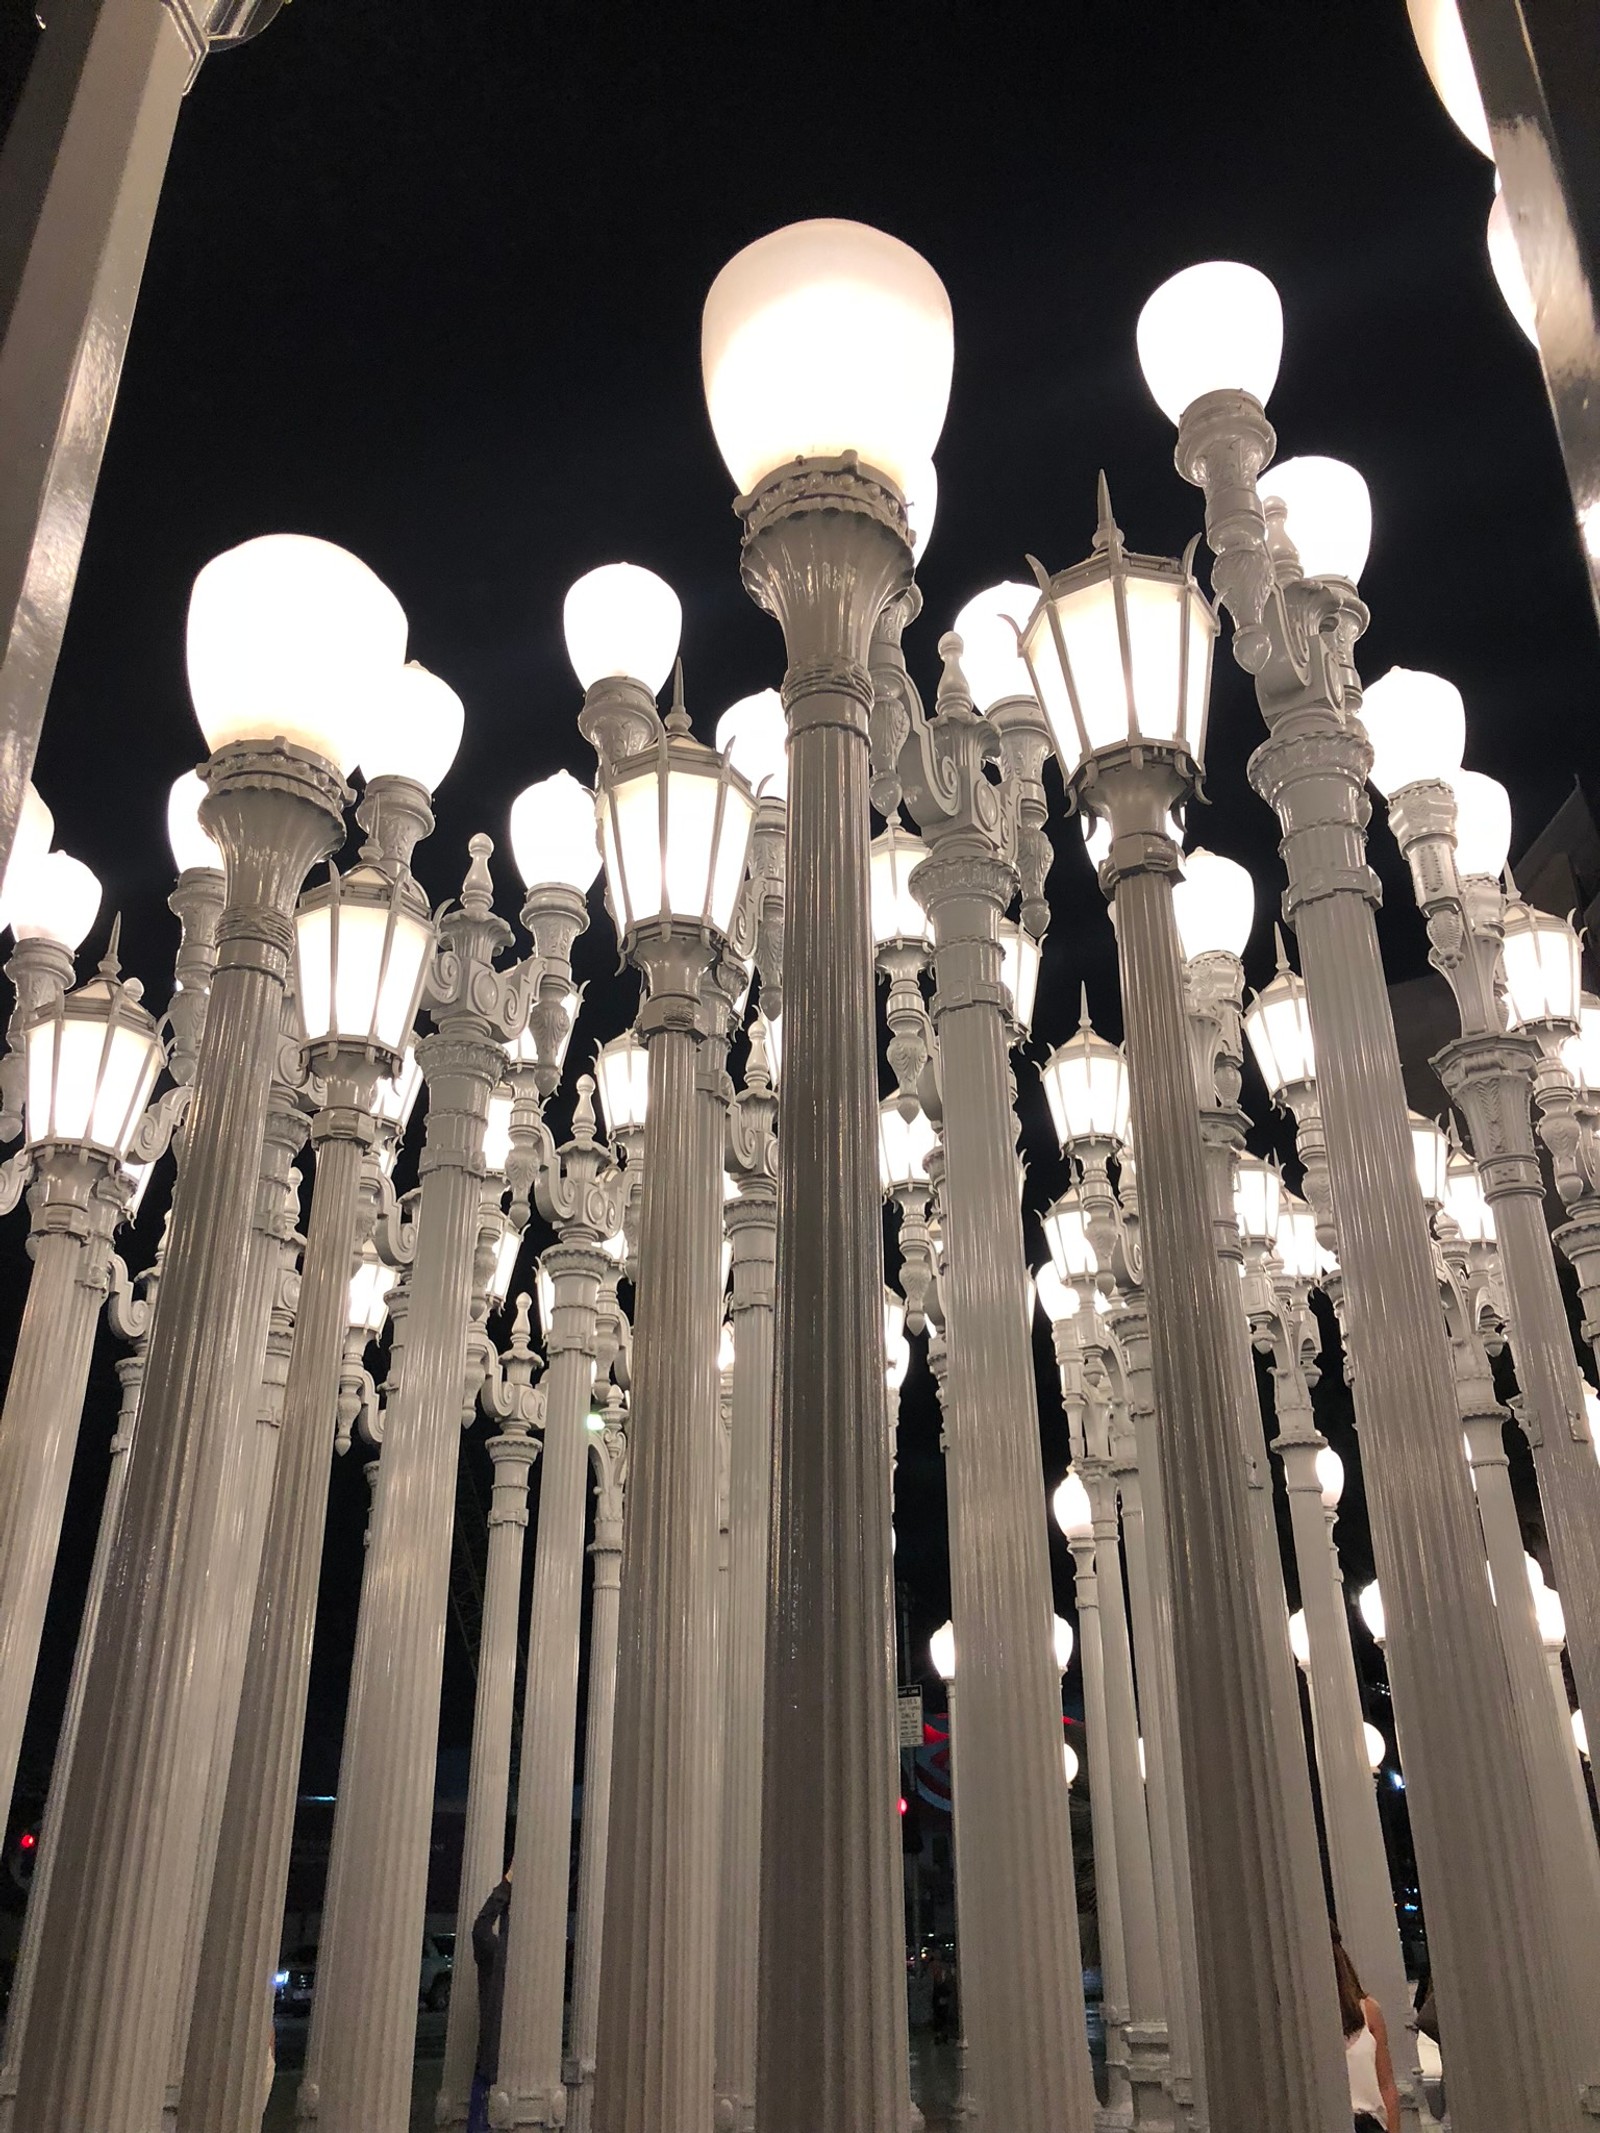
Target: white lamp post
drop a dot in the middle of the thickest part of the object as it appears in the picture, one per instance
(827, 352)
(289, 639)
(196, 902)
(1210, 342)
(675, 823)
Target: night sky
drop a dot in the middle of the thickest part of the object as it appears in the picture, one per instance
(427, 279)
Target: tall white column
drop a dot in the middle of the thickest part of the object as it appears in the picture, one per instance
(610, 1456)
(1487, 1881)
(512, 1399)
(580, 1192)
(159, 1685)
(752, 1225)
(359, 2060)
(1022, 1968)
(825, 547)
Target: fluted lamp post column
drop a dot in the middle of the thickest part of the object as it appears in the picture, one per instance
(288, 640)
(1022, 1965)
(1120, 649)
(363, 942)
(826, 350)
(1209, 344)
(674, 824)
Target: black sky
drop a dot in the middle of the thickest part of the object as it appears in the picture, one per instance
(426, 280)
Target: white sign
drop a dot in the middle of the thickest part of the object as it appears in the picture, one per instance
(910, 1707)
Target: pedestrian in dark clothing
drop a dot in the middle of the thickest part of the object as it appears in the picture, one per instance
(489, 1932)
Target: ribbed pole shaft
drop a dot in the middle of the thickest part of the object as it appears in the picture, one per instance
(364, 2019)
(1487, 1875)
(230, 2028)
(160, 1686)
(752, 1222)
(1136, 1467)
(955, 1541)
(833, 2045)
(605, 1606)
(1022, 1969)
(130, 1370)
(1491, 1078)
(1563, 1709)
(529, 2089)
(1104, 1808)
(74, 1202)
(1362, 1894)
(483, 1838)
(1272, 2040)
(655, 2049)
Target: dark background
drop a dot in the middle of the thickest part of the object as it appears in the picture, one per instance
(426, 280)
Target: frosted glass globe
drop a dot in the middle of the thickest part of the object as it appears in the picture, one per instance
(619, 621)
(293, 636)
(1483, 823)
(57, 899)
(754, 735)
(1299, 1638)
(1074, 1514)
(1330, 1476)
(1436, 25)
(1213, 328)
(1417, 725)
(192, 843)
(942, 1651)
(1511, 276)
(1214, 904)
(1061, 1641)
(827, 337)
(1069, 1758)
(553, 833)
(1329, 514)
(35, 828)
(1370, 1602)
(990, 658)
(415, 731)
(1377, 1747)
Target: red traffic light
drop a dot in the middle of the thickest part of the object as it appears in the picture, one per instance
(29, 1840)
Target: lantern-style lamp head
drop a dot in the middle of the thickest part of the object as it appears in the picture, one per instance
(1436, 25)
(942, 1651)
(896, 913)
(1302, 1258)
(193, 846)
(369, 1293)
(989, 627)
(1542, 963)
(395, 1097)
(497, 1130)
(1370, 1603)
(1056, 1299)
(1417, 725)
(362, 942)
(823, 338)
(1483, 824)
(35, 828)
(754, 735)
(292, 637)
(553, 834)
(622, 623)
(1217, 327)
(1086, 1086)
(1330, 1477)
(416, 730)
(904, 1145)
(1299, 1638)
(1257, 1200)
(1214, 904)
(622, 1076)
(56, 899)
(1119, 648)
(506, 1254)
(1431, 1153)
(1327, 514)
(1066, 1232)
(675, 826)
(1019, 970)
(1464, 1200)
(1073, 1512)
(1377, 1747)
(1580, 1055)
(92, 1060)
(1278, 1026)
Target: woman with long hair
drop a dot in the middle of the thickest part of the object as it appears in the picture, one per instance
(1374, 2098)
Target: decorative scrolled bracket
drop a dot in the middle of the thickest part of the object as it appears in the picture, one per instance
(153, 1135)
(128, 1313)
(944, 762)
(508, 1394)
(896, 705)
(462, 982)
(16, 1175)
(578, 1189)
(358, 1395)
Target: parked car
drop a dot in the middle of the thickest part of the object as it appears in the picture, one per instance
(295, 1982)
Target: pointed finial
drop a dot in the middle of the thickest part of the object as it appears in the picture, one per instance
(1107, 534)
(1513, 895)
(758, 1067)
(677, 716)
(522, 1329)
(110, 965)
(615, 1399)
(1040, 574)
(1280, 950)
(1083, 1008)
(583, 1112)
(477, 891)
(954, 696)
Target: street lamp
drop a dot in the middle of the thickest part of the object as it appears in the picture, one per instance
(826, 351)
(290, 642)
(50, 910)
(1119, 647)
